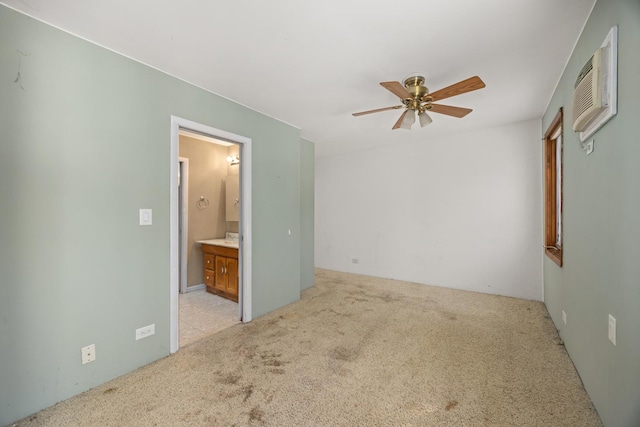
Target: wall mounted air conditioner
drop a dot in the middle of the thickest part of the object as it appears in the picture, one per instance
(595, 90)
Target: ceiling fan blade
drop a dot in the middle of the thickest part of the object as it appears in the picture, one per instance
(449, 110)
(397, 89)
(399, 122)
(362, 113)
(468, 85)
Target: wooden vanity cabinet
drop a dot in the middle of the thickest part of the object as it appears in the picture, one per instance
(221, 271)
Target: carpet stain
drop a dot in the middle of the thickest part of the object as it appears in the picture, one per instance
(277, 371)
(268, 396)
(270, 322)
(277, 334)
(452, 404)
(343, 353)
(271, 358)
(229, 379)
(447, 314)
(110, 390)
(248, 391)
(388, 298)
(269, 355)
(189, 415)
(256, 414)
(385, 297)
(290, 315)
(249, 351)
(332, 311)
(356, 299)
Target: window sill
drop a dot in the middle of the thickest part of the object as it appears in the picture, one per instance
(555, 254)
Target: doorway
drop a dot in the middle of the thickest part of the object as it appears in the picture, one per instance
(209, 230)
(244, 231)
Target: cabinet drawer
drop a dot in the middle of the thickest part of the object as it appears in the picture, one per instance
(209, 261)
(209, 277)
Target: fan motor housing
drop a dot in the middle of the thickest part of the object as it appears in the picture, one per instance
(415, 86)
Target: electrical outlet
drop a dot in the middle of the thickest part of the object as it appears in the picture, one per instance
(88, 353)
(145, 331)
(564, 317)
(612, 329)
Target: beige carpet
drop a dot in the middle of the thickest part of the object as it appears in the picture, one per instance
(355, 351)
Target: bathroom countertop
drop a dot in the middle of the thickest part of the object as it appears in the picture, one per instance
(220, 242)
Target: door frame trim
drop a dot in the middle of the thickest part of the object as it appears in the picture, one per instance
(184, 184)
(245, 220)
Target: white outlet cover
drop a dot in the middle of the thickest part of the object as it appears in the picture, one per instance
(88, 353)
(145, 331)
(564, 317)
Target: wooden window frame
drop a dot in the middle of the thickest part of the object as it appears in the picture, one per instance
(553, 203)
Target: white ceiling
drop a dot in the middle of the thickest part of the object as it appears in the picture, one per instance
(313, 63)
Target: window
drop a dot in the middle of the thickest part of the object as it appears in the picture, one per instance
(553, 189)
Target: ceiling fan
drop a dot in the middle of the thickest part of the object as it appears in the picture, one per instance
(416, 98)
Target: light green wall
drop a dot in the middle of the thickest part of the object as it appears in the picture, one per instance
(601, 272)
(84, 144)
(307, 209)
(276, 210)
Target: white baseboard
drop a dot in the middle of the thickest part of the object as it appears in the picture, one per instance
(195, 287)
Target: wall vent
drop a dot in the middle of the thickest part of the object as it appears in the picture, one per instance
(587, 96)
(595, 90)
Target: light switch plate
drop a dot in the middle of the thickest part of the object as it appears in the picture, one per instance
(146, 217)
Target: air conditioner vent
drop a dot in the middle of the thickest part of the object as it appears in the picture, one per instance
(587, 97)
(595, 89)
(586, 69)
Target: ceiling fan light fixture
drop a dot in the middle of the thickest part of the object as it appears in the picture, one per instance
(409, 119)
(425, 119)
(416, 99)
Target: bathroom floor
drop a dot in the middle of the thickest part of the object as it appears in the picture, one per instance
(203, 314)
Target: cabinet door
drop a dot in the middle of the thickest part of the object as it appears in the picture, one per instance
(221, 270)
(232, 276)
